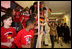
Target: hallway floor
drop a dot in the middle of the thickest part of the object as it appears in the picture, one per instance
(57, 45)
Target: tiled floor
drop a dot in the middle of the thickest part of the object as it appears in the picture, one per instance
(57, 45)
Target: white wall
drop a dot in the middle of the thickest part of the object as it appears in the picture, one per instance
(2, 13)
(5, 4)
(68, 18)
(25, 4)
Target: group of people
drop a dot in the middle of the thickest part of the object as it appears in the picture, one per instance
(63, 32)
(60, 33)
(18, 28)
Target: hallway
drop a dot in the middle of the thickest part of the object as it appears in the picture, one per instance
(58, 45)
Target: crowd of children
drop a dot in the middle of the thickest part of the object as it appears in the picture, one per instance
(17, 30)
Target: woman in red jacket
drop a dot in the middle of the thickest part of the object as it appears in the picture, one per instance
(8, 33)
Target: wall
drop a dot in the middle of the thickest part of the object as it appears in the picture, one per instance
(5, 4)
(68, 18)
(25, 3)
(2, 13)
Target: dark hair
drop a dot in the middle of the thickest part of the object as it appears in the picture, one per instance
(6, 16)
(40, 2)
(17, 8)
(54, 23)
(35, 3)
(9, 11)
(33, 19)
(44, 8)
(32, 15)
(29, 21)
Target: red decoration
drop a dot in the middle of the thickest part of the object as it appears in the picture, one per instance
(49, 10)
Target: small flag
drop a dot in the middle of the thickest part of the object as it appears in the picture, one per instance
(9, 36)
(41, 19)
(50, 10)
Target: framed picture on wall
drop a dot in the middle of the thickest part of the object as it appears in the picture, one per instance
(4, 6)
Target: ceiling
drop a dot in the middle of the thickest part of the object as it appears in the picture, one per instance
(25, 3)
(56, 6)
(59, 6)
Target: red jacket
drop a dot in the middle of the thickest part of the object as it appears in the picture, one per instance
(5, 35)
(22, 37)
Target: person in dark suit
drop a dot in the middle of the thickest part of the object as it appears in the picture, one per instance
(66, 33)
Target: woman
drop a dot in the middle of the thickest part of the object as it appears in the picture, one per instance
(44, 20)
(53, 32)
(8, 33)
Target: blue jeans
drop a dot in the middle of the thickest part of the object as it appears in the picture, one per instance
(35, 43)
(43, 30)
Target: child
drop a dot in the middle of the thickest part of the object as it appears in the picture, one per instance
(8, 33)
(23, 20)
(23, 39)
(17, 15)
(11, 11)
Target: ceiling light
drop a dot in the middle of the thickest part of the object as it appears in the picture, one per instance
(56, 13)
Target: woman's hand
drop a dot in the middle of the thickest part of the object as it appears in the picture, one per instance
(9, 44)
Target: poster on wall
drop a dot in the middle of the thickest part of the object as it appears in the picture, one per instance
(5, 4)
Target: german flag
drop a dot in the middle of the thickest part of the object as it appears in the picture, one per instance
(49, 10)
(41, 19)
(9, 36)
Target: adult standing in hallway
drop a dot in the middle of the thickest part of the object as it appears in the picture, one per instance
(66, 33)
(43, 20)
(53, 32)
(33, 8)
(45, 14)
